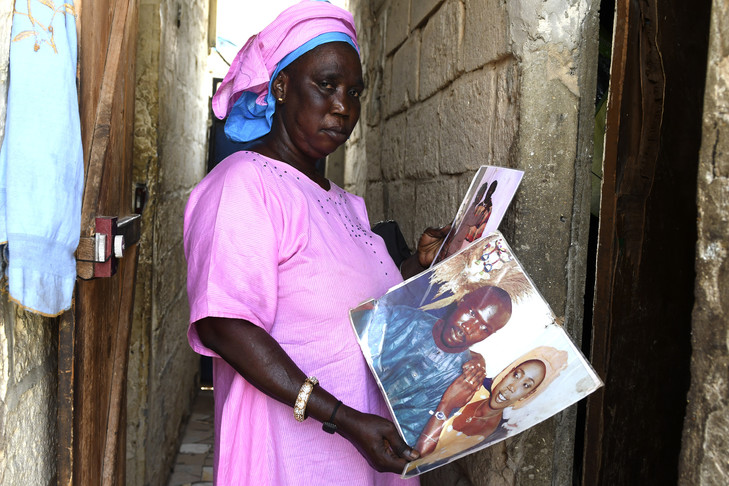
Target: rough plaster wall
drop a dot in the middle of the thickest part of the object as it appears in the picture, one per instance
(454, 84)
(145, 171)
(171, 115)
(28, 362)
(556, 41)
(704, 456)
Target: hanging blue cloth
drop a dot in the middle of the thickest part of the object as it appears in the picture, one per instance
(41, 159)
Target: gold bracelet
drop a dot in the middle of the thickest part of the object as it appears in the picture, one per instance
(303, 397)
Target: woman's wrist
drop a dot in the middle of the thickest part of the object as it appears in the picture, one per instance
(442, 411)
(344, 418)
(302, 398)
(321, 404)
(330, 425)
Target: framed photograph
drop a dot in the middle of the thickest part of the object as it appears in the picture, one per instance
(469, 353)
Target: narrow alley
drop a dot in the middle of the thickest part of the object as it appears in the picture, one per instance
(194, 460)
(615, 111)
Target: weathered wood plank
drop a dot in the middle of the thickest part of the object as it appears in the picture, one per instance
(100, 141)
(115, 443)
(66, 336)
(92, 446)
(644, 282)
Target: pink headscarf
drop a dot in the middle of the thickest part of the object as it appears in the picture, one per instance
(255, 63)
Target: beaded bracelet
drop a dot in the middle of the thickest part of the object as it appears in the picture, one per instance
(329, 426)
(303, 397)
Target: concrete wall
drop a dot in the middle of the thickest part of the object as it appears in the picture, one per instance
(169, 157)
(452, 85)
(28, 362)
(706, 426)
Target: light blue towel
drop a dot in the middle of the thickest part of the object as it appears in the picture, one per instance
(41, 159)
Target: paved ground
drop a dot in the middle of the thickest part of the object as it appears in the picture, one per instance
(194, 462)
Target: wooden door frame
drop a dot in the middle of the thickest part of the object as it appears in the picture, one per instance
(646, 244)
(93, 349)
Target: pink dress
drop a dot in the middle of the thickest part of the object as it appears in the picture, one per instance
(266, 244)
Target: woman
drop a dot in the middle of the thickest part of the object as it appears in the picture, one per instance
(277, 254)
(477, 419)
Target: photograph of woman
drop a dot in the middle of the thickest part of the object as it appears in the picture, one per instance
(472, 410)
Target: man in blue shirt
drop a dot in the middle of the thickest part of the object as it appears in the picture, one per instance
(416, 355)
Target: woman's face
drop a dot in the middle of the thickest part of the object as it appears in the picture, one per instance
(321, 98)
(518, 384)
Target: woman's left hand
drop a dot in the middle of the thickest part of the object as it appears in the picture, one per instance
(457, 395)
(428, 245)
(476, 361)
(376, 439)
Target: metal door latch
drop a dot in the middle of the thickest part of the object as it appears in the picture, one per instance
(98, 255)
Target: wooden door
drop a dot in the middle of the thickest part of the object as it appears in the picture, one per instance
(94, 338)
(645, 262)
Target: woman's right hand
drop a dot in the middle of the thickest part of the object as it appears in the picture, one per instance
(253, 353)
(376, 439)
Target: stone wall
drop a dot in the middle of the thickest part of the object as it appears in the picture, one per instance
(28, 361)
(170, 150)
(706, 427)
(452, 85)
(28, 367)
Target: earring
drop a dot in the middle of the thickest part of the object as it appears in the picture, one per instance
(280, 100)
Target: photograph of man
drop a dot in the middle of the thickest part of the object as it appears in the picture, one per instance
(417, 355)
(465, 354)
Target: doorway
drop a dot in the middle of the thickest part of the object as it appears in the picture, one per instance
(644, 277)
